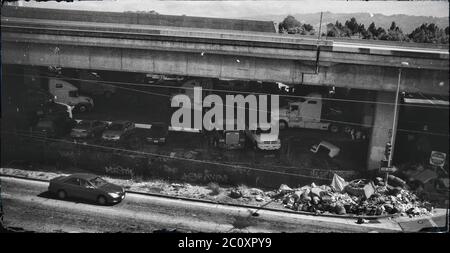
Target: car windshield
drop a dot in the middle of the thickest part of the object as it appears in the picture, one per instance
(73, 93)
(116, 127)
(157, 129)
(260, 131)
(98, 181)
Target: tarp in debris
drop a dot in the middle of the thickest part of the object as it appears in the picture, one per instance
(338, 183)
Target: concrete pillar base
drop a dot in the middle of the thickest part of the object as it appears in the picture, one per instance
(382, 129)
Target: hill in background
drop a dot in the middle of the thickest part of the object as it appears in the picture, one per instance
(405, 22)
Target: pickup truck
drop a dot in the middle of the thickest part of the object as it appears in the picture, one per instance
(262, 138)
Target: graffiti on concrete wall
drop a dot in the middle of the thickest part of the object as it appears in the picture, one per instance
(205, 176)
(119, 170)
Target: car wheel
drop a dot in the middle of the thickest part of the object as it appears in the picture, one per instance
(334, 128)
(62, 194)
(283, 124)
(101, 200)
(82, 108)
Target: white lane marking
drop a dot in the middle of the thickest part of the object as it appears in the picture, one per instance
(389, 48)
(432, 222)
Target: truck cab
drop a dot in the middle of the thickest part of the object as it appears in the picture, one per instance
(262, 138)
(305, 113)
(67, 93)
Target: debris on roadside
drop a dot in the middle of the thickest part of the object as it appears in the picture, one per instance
(235, 193)
(362, 221)
(284, 188)
(357, 197)
(317, 199)
(338, 184)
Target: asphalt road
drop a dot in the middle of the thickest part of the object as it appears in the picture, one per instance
(352, 155)
(28, 206)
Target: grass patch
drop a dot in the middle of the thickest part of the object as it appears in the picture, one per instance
(215, 188)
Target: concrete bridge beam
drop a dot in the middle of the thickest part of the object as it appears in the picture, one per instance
(225, 66)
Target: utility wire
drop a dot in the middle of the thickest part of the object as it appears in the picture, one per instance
(227, 91)
(165, 156)
(326, 120)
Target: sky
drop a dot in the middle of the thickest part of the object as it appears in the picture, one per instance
(240, 9)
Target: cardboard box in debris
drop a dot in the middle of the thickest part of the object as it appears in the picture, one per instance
(358, 197)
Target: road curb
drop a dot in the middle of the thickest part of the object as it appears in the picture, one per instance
(231, 204)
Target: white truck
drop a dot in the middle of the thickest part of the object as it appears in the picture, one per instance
(67, 93)
(262, 137)
(307, 113)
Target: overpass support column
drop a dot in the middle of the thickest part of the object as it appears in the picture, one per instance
(382, 128)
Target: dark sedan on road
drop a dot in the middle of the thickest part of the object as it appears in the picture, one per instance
(88, 129)
(86, 186)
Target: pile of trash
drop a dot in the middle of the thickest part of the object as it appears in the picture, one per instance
(358, 197)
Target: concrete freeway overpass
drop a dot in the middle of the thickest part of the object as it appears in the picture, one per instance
(120, 42)
(123, 42)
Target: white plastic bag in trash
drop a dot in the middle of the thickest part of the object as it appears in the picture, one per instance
(338, 184)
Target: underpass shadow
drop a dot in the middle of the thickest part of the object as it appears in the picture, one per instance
(49, 195)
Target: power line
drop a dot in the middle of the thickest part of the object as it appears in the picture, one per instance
(229, 91)
(326, 120)
(165, 156)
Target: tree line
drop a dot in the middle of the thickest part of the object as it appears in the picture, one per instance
(426, 33)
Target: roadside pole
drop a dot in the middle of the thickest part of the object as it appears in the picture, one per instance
(320, 27)
(395, 121)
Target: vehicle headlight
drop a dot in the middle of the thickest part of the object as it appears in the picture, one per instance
(114, 195)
